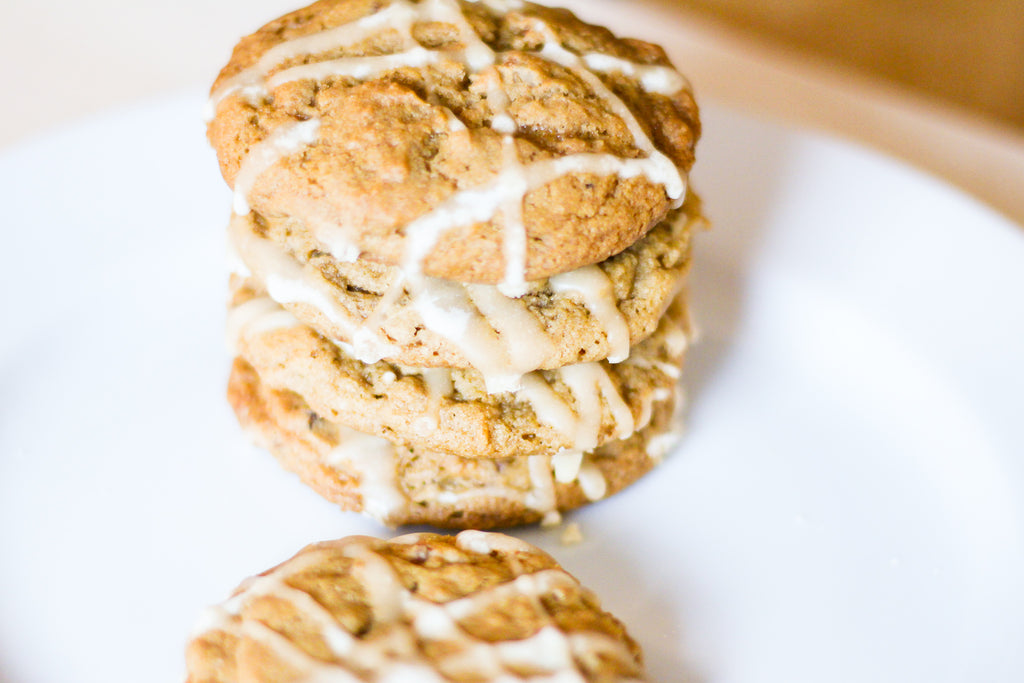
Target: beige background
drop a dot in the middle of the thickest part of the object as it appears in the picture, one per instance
(967, 52)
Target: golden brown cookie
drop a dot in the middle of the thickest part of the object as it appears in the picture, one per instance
(494, 142)
(422, 608)
(576, 407)
(397, 485)
(585, 315)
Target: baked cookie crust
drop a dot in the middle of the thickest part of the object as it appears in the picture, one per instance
(576, 407)
(398, 485)
(590, 314)
(489, 142)
(470, 608)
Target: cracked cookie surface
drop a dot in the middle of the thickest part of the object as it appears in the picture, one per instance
(479, 142)
(470, 608)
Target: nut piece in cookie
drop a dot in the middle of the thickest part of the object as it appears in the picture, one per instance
(423, 607)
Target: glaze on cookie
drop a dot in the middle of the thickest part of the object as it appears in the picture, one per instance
(589, 314)
(576, 407)
(398, 485)
(494, 142)
(477, 607)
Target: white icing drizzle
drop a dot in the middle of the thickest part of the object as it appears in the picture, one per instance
(499, 335)
(597, 293)
(663, 80)
(566, 465)
(445, 308)
(472, 205)
(253, 317)
(658, 395)
(541, 496)
(677, 338)
(505, 193)
(341, 248)
(588, 382)
(282, 648)
(513, 237)
(251, 82)
(592, 481)
(659, 446)
(438, 383)
(481, 203)
(285, 140)
(523, 338)
(360, 68)
(548, 649)
(484, 543)
(548, 406)
(461, 498)
(658, 168)
(381, 585)
(671, 370)
(674, 333)
(621, 414)
(409, 622)
(544, 581)
(668, 369)
(374, 461)
(337, 639)
(286, 282)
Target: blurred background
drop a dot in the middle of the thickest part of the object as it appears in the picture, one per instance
(968, 53)
(965, 54)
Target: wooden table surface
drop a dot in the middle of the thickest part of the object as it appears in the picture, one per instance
(969, 54)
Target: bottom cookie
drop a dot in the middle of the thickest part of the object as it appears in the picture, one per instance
(477, 607)
(398, 485)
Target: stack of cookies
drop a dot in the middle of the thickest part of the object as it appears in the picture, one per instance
(462, 232)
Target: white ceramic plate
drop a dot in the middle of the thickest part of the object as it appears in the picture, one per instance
(847, 505)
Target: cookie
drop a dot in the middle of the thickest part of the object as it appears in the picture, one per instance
(590, 314)
(576, 407)
(397, 485)
(475, 607)
(488, 142)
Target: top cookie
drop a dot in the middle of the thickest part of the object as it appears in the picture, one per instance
(492, 142)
